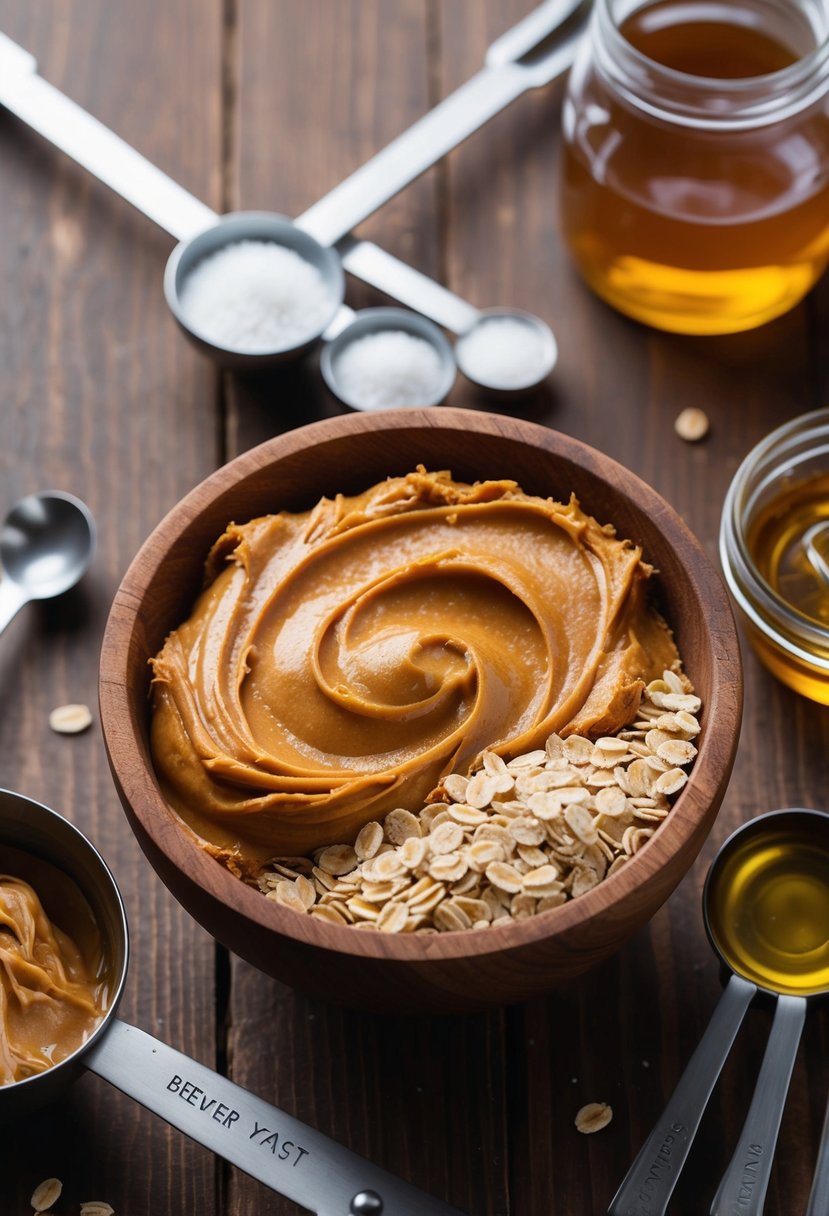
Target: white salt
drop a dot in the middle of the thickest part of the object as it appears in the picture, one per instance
(255, 296)
(504, 352)
(387, 369)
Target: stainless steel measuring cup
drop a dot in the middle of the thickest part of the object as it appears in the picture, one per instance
(523, 58)
(270, 1145)
(649, 1184)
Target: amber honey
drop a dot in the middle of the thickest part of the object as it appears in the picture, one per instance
(774, 546)
(768, 906)
(695, 192)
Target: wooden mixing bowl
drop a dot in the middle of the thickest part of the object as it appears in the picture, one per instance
(454, 971)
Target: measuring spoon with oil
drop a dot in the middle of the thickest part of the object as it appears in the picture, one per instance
(537, 49)
(766, 912)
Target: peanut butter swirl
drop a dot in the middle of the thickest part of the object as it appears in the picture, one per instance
(51, 995)
(341, 660)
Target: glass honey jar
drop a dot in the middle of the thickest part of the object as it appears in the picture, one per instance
(774, 548)
(695, 176)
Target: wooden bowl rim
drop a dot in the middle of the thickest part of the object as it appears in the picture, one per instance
(139, 789)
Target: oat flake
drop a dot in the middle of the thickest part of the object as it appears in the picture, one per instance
(46, 1194)
(593, 1117)
(573, 815)
(70, 719)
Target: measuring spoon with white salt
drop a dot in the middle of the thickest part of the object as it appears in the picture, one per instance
(525, 57)
(503, 350)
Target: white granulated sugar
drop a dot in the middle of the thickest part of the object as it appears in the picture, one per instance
(255, 296)
(504, 352)
(389, 369)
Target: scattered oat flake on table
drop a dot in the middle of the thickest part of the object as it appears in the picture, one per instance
(692, 424)
(593, 1117)
(70, 719)
(96, 1207)
(47, 1193)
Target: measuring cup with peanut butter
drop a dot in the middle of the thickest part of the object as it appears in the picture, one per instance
(64, 948)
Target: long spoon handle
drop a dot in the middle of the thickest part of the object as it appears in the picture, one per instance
(650, 1181)
(512, 68)
(745, 1181)
(516, 62)
(408, 286)
(819, 1194)
(108, 157)
(288, 1156)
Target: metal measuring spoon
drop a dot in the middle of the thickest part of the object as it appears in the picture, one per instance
(429, 298)
(341, 324)
(46, 543)
(526, 56)
(369, 322)
(649, 1184)
(291, 1158)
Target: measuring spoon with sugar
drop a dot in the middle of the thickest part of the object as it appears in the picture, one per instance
(532, 53)
(766, 912)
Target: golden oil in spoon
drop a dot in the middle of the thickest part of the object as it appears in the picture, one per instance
(768, 906)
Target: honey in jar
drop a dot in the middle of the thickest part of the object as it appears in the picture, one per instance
(774, 545)
(695, 179)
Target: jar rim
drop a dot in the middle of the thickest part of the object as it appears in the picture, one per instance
(705, 102)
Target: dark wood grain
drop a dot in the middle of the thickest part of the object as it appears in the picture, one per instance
(100, 397)
(255, 104)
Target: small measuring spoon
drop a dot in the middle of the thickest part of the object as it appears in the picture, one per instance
(429, 298)
(766, 912)
(519, 60)
(369, 322)
(46, 543)
(291, 1158)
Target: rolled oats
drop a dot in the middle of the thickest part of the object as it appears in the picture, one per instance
(413, 851)
(70, 719)
(481, 790)
(505, 877)
(445, 838)
(399, 825)
(514, 840)
(368, 841)
(337, 859)
(593, 1117)
(46, 1194)
(393, 918)
(448, 867)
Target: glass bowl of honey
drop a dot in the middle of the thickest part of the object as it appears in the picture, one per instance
(774, 548)
(695, 176)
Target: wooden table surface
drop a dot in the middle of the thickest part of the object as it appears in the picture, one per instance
(267, 104)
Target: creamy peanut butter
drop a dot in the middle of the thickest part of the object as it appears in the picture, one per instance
(53, 983)
(341, 660)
